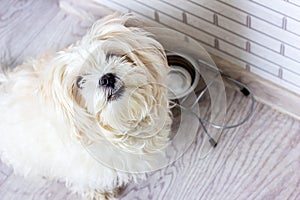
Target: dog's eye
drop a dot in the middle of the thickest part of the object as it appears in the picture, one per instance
(110, 55)
(79, 82)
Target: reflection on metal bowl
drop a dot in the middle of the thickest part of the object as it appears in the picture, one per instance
(183, 76)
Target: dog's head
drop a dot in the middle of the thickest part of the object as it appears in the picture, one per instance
(118, 76)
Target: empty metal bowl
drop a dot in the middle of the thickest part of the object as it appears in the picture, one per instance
(183, 76)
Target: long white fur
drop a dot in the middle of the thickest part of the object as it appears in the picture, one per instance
(45, 118)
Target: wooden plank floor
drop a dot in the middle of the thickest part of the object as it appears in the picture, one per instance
(260, 160)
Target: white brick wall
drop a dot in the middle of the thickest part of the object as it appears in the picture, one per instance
(262, 36)
(256, 10)
(296, 2)
(282, 7)
(292, 53)
(216, 31)
(222, 9)
(293, 25)
(191, 8)
(163, 7)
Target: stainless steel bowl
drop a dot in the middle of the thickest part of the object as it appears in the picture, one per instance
(183, 76)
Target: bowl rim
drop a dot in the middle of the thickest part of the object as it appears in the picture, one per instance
(194, 77)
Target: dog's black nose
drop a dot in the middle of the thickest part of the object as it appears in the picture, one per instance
(108, 80)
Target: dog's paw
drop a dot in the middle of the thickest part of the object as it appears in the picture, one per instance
(108, 195)
(104, 196)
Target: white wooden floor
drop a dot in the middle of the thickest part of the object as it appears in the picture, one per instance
(260, 160)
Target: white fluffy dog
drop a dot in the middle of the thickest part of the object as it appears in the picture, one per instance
(107, 86)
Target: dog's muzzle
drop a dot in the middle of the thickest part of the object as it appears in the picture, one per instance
(112, 86)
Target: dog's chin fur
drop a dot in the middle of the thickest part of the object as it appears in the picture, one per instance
(47, 114)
